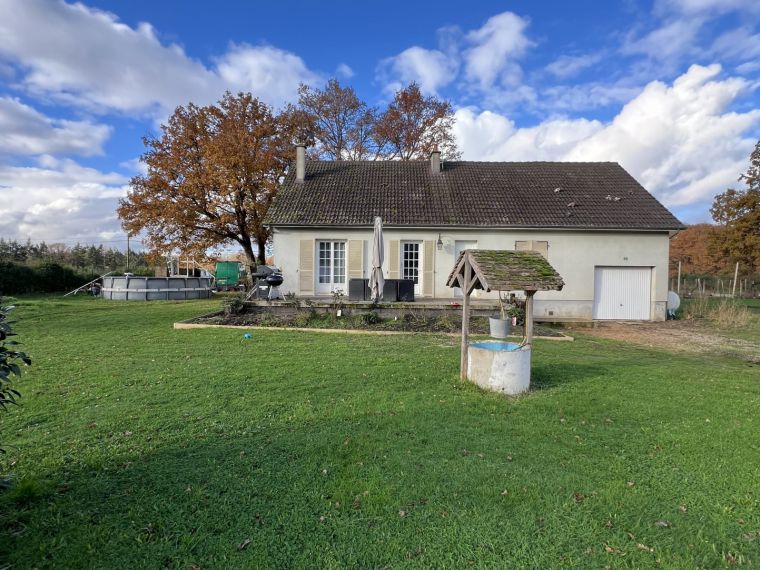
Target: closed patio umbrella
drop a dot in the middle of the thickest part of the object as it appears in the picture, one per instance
(376, 281)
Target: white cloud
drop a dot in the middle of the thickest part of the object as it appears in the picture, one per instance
(58, 200)
(702, 6)
(87, 57)
(496, 46)
(431, 69)
(586, 96)
(668, 42)
(488, 55)
(741, 44)
(24, 130)
(680, 141)
(568, 65)
(492, 136)
(268, 72)
(344, 70)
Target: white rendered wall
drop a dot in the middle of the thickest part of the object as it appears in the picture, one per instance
(574, 254)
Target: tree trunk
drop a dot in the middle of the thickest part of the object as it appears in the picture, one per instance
(262, 256)
(250, 262)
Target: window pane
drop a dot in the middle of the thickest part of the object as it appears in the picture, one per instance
(339, 262)
(324, 262)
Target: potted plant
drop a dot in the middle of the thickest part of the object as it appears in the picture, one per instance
(499, 325)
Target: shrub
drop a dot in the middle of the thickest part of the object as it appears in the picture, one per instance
(234, 305)
(730, 313)
(11, 359)
(370, 318)
(303, 319)
(698, 308)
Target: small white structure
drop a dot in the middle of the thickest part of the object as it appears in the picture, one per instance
(500, 366)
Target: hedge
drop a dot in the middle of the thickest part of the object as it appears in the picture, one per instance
(16, 278)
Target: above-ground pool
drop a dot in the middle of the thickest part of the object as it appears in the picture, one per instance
(130, 288)
(499, 366)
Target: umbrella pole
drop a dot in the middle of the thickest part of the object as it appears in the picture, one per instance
(465, 321)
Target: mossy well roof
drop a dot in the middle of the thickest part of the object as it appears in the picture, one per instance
(503, 270)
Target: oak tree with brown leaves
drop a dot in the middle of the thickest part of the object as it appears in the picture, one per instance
(692, 248)
(738, 213)
(341, 124)
(414, 124)
(211, 177)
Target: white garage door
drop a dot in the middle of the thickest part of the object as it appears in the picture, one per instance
(622, 293)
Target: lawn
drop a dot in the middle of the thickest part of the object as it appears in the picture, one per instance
(140, 446)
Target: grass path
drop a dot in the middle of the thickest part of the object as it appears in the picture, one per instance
(140, 446)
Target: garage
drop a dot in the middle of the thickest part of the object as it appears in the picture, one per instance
(622, 293)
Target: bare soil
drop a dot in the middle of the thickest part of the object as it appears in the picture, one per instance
(678, 336)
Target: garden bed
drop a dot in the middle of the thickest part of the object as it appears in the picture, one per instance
(411, 322)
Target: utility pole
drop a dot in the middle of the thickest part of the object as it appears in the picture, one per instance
(127, 252)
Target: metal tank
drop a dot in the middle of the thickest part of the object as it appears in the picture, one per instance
(133, 288)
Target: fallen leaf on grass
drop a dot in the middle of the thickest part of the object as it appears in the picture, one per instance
(609, 524)
(662, 524)
(504, 493)
(402, 514)
(682, 508)
(610, 550)
(631, 484)
(579, 497)
(243, 545)
(644, 547)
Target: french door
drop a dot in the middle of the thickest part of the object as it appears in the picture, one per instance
(411, 253)
(331, 266)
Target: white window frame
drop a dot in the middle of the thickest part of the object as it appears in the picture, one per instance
(334, 280)
(420, 257)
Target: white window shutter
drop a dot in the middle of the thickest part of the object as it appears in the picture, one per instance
(306, 267)
(542, 247)
(355, 259)
(428, 268)
(394, 259)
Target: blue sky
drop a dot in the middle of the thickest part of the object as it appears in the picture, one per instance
(667, 88)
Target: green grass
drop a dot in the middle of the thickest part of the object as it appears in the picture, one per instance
(139, 446)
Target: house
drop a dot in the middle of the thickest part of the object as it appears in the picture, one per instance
(602, 231)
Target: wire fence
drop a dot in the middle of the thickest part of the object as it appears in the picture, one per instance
(745, 287)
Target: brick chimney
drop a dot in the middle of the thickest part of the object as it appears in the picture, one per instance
(300, 162)
(435, 161)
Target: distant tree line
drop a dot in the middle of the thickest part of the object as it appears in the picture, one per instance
(27, 267)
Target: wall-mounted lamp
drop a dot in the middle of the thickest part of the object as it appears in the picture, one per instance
(439, 243)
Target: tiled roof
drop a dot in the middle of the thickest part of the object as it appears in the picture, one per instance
(475, 194)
